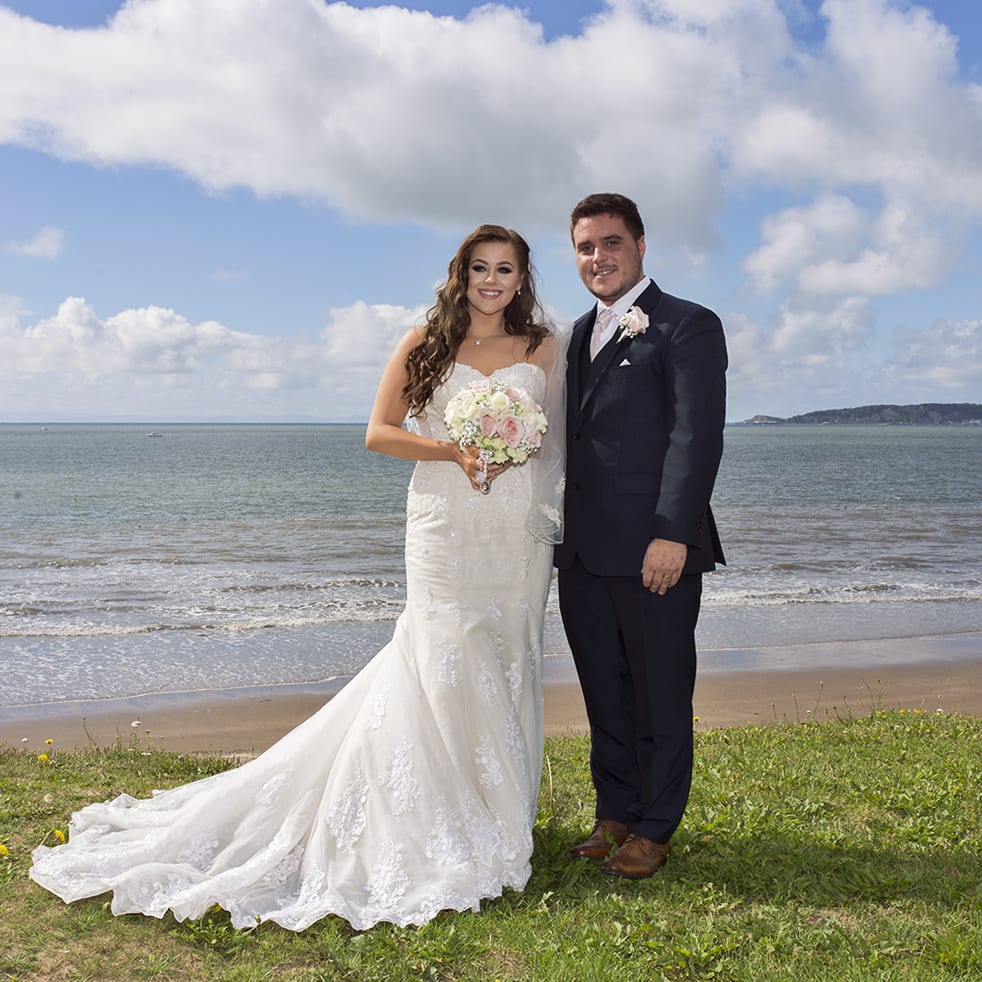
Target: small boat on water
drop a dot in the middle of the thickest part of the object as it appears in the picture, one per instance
(154, 433)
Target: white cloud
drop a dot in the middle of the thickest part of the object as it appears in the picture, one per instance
(800, 362)
(155, 360)
(398, 115)
(47, 244)
(394, 114)
(820, 356)
(357, 341)
(880, 104)
(154, 363)
(833, 247)
(796, 237)
(906, 253)
(947, 357)
(821, 335)
(868, 137)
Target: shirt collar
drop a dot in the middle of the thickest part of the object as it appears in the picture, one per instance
(622, 306)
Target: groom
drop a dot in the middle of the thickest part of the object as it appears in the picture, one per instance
(644, 431)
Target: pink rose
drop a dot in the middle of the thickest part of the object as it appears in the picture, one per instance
(488, 425)
(533, 438)
(511, 431)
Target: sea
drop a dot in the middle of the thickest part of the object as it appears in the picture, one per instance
(188, 558)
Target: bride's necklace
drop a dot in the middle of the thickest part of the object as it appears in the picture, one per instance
(478, 341)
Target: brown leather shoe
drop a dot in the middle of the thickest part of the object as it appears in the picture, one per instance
(637, 858)
(607, 835)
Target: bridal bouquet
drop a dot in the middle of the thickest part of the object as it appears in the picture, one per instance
(503, 421)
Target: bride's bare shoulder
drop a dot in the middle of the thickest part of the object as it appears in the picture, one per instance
(546, 353)
(414, 335)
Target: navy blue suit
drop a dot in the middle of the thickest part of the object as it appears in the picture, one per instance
(644, 440)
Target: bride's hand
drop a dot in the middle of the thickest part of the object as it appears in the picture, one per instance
(470, 462)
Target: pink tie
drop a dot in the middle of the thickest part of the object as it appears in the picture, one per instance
(603, 319)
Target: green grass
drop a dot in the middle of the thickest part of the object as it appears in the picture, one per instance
(840, 850)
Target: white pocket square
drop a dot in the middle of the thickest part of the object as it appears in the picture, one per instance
(623, 363)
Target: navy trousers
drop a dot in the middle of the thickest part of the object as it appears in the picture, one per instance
(635, 655)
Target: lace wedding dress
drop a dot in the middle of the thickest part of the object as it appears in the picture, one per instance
(413, 791)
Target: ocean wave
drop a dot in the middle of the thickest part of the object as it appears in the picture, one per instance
(234, 623)
(859, 593)
(366, 613)
(340, 583)
(64, 562)
(835, 564)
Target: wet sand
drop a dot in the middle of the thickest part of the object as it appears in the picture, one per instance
(792, 684)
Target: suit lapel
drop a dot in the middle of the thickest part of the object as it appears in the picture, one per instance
(574, 355)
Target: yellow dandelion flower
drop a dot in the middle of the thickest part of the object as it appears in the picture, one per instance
(695, 719)
(49, 741)
(59, 835)
(4, 851)
(42, 757)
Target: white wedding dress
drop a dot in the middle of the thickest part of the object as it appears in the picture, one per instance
(413, 791)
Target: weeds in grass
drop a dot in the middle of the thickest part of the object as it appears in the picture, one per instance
(214, 932)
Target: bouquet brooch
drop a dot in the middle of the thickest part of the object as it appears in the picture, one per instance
(503, 421)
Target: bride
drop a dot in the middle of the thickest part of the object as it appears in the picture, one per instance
(414, 790)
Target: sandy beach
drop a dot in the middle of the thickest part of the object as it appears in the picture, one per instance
(792, 684)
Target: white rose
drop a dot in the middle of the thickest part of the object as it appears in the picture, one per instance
(499, 402)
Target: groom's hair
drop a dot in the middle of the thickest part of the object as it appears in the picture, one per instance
(609, 204)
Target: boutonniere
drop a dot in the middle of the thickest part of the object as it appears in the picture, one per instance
(633, 323)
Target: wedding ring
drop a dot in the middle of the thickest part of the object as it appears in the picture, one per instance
(481, 477)
(485, 487)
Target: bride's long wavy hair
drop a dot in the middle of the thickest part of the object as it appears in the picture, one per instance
(448, 320)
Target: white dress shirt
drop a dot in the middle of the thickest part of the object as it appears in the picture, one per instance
(605, 326)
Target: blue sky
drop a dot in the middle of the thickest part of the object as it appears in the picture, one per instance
(218, 210)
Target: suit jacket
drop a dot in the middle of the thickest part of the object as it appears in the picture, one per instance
(644, 436)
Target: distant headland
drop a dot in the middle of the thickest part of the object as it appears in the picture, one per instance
(923, 414)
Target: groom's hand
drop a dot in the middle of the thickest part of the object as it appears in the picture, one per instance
(664, 561)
